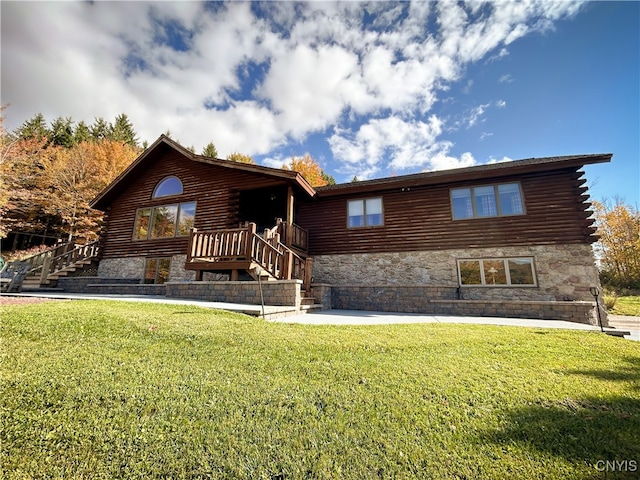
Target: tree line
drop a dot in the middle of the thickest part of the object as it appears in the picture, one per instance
(50, 172)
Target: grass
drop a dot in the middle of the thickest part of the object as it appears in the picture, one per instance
(114, 390)
(629, 305)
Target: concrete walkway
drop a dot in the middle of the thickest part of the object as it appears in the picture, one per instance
(281, 314)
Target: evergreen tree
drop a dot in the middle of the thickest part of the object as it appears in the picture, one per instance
(62, 132)
(34, 129)
(328, 178)
(210, 151)
(100, 129)
(122, 131)
(82, 133)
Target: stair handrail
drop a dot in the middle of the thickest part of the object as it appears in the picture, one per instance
(36, 261)
(297, 266)
(78, 254)
(267, 255)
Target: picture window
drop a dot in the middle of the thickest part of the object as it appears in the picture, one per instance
(487, 201)
(492, 272)
(164, 221)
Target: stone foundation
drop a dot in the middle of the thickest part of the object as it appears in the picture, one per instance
(133, 267)
(564, 272)
(129, 267)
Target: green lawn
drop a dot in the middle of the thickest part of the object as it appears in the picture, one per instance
(627, 306)
(117, 390)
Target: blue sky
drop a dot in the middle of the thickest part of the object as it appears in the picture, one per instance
(371, 90)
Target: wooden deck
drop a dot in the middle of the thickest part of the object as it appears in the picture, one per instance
(242, 249)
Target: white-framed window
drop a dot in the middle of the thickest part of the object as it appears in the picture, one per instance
(164, 221)
(156, 270)
(365, 212)
(499, 200)
(490, 272)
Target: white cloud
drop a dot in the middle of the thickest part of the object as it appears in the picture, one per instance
(307, 88)
(485, 135)
(369, 73)
(393, 143)
(274, 162)
(493, 160)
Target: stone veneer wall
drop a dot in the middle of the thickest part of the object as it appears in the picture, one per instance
(427, 282)
(564, 272)
(133, 267)
(129, 267)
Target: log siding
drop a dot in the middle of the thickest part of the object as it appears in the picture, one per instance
(420, 217)
(214, 188)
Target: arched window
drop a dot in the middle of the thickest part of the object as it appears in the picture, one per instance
(168, 186)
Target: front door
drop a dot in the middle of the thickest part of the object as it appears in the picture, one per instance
(262, 206)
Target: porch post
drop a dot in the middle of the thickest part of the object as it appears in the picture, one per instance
(289, 230)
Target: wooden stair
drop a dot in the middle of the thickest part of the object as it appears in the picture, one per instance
(243, 250)
(47, 267)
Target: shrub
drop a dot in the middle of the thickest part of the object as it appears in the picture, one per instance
(610, 300)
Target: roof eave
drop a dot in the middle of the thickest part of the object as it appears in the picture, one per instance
(101, 201)
(464, 174)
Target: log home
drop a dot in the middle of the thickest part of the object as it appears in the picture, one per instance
(510, 238)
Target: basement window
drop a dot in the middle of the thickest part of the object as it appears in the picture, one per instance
(490, 272)
(156, 270)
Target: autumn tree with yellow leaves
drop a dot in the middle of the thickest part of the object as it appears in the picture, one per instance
(49, 175)
(618, 248)
(240, 158)
(310, 170)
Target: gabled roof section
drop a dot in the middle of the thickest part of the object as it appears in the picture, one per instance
(163, 143)
(478, 172)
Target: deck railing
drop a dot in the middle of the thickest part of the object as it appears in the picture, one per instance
(294, 235)
(219, 245)
(245, 245)
(268, 256)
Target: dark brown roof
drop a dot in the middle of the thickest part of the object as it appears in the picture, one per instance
(164, 142)
(477, 172)
(417, 179)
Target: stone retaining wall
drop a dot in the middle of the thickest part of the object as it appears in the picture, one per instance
(124, 289)
(322, 294)
(80, 284)
(283, 292)
(444, 301)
